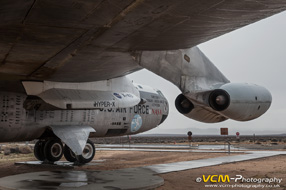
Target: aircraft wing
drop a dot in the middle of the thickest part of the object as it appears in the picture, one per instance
(91, 40)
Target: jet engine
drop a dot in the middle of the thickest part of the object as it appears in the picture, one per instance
(241, 102)
(183, 104)
(197, 112)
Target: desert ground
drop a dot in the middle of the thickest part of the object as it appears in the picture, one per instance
(260, 168)
(111, 160)
(116, 159)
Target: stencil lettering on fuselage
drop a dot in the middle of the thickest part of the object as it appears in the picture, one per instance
(138, 109)
(106, 104)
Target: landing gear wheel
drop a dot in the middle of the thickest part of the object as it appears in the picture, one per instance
(69, 155)
(53, 150)
(39, 150)
(88, 153)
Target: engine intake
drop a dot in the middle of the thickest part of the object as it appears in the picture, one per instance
(219, 100)
(183, 104)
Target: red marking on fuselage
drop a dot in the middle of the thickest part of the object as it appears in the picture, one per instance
(156, 111)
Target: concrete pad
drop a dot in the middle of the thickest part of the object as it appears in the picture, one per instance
(41, 163)
(150, 146)
(169, 146)
(167, 150)
(132, 178)
(59, 163)
(186, 165)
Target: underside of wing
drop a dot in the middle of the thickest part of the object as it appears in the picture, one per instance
(91, 40)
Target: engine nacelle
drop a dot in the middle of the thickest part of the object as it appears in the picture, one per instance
(241, 102)
(196, 112)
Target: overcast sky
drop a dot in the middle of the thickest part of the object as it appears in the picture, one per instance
(253, 54)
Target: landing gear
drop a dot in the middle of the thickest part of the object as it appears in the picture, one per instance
(87, 154)
(48, 150)
(39, 150)
(52, 150)
(69, 155)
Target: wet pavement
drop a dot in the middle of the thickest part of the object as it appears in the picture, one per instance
(132, 178)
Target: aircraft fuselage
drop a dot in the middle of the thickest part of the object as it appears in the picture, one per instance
(19, 124)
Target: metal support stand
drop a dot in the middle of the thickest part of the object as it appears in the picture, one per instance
(228, 147)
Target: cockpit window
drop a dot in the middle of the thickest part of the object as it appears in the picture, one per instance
(140, 86)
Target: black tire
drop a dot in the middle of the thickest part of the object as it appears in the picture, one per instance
(69, 155)
(88, 153)
(53, 150)
(39, 150)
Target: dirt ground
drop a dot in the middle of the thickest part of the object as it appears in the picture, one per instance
(111, 160)
(261, 168)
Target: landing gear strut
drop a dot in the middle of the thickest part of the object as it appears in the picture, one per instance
(52, 150)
